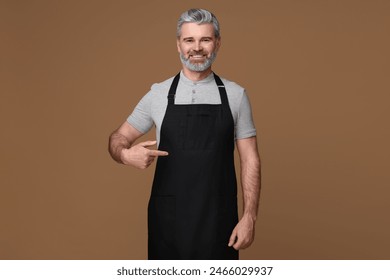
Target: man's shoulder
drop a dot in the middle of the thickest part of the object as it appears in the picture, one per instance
(233, 87)
(162, 86)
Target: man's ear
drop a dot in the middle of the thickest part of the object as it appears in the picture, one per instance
(178, 44)
(218, 43)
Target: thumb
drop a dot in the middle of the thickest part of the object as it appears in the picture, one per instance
(232, 238)
(148, 143)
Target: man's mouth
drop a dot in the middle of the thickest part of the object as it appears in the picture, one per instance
(198, 56)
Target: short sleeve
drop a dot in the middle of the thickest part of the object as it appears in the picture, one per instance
(245, 127)
(141, 118)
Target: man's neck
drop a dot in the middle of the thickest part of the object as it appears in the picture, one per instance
(196, 76)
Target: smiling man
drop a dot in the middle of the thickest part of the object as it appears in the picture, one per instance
(199, 118)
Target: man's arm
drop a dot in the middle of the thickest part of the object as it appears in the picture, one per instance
(122, 150)
(244, 232)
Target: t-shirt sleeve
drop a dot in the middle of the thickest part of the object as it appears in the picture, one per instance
(245, 127)
(141, 118)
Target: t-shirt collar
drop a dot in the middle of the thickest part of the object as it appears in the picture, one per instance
(206, 80)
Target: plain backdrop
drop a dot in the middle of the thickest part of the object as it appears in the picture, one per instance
(316, 72)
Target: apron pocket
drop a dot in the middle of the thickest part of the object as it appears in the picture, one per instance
(201, 131)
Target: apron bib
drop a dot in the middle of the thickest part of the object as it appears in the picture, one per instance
(192, 209)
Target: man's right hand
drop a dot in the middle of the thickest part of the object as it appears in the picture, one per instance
(140, 156)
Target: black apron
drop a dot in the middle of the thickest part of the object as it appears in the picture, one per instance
(192, 210)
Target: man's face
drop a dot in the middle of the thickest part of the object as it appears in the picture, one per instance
(197, 46)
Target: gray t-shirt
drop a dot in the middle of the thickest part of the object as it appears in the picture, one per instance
(151, 108)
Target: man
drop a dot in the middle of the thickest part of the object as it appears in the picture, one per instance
(192, 211)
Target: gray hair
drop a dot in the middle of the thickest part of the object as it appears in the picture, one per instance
(198, 16)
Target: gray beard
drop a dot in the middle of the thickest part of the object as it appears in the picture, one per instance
(199, 67)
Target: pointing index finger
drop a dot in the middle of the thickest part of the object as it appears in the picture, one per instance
(157, 153)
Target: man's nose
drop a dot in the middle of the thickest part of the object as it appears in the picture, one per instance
(198, 46)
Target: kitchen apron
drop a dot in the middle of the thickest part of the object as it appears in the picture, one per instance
(192, 210)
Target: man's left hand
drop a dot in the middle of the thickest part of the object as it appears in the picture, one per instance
(243, 234)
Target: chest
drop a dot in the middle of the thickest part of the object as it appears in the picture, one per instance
(197, 94)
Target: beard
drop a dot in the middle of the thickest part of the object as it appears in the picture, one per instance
(198, 67)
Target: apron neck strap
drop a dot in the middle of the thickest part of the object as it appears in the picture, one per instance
(222, 90)
(172, 90)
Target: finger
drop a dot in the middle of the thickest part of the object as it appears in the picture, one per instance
(238, 245)
(232, 238)
(151, 159)
(148, 143)
(149, 162)
(157, 153)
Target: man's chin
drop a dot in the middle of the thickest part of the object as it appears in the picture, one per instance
(197, 64)
(199, 67)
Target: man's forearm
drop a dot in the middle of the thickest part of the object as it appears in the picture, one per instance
(117, 143)
(244, 232)
(251, 181)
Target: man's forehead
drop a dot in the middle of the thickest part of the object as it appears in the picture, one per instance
(192, 29)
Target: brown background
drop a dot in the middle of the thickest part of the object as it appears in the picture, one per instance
(317, 74)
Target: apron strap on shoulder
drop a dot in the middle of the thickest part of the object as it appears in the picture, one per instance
(172, 89)
(222, 90)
